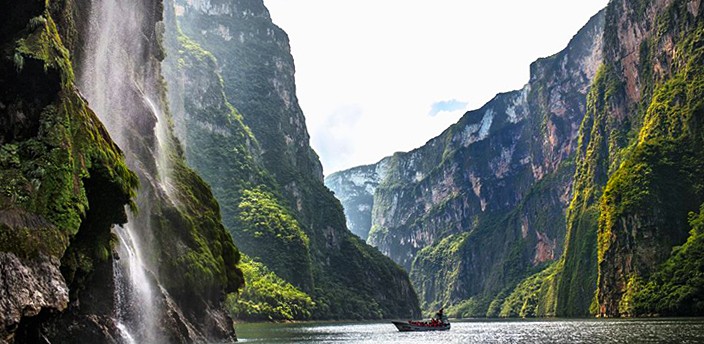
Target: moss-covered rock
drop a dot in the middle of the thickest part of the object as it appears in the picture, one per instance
(64, 181)
(646, 200)
(637, 175)
(261, 167)
(578, 281)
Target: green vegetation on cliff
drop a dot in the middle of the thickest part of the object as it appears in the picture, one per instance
(220, 147)
(56, 157)
(435, 268)
(504, 247)
(638, 175)
(198, 257)
(577, 284)
(268, 297)
(646, 201)
(533, 297)
(639, 160)
(65, 183)
(677, 288)
(261, 167)
(273, 233)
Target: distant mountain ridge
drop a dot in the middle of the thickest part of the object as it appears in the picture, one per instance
(451, 193)
(583, 210)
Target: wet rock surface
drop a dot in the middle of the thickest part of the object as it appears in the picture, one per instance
(28, 286)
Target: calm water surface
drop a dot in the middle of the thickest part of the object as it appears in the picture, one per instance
(484, 331)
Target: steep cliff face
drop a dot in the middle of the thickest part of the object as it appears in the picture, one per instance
(637, 186)
(264, 89)
(261, 166)
(355, 189)
(186, 251)
(63, 277)
(640, 165)
(638, 176)
(223, 149)
(482, 205)
(56, 162)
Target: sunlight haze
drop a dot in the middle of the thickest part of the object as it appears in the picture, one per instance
(377, 77)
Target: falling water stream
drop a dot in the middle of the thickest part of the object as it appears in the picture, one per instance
(125, 334)
(162, 161)
(120, 81)
(133, 290)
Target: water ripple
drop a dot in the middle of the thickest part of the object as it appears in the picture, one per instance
(620, 331)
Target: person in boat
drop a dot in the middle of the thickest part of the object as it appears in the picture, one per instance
(439, 315)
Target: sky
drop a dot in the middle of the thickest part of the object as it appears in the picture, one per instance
(375, 77)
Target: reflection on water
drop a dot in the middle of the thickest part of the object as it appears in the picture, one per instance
(485, 331)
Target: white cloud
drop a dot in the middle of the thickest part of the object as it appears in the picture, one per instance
(446, 106)
(336, 133)
(392, 60)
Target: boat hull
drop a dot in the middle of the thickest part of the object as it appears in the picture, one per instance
(406, 326)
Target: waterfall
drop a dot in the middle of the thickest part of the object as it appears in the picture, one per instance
(120, 78)
(162, 161)
(134, 297)
(125, 334)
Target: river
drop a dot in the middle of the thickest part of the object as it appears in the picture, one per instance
(484, 331)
